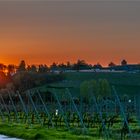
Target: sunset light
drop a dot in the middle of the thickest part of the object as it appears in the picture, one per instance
(69, 69)
(47, 32)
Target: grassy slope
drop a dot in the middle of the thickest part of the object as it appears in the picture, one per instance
(113, 78)
(125, 83)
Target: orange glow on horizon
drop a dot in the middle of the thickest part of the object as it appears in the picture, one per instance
(47, 32)
(49, 62)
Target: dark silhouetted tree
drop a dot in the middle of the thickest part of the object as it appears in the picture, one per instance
(111, 64)
(3, 79)
(123, 62)
(11, 69)
(69, 65)
(22, 66)
(43, 69)
(32, 68)
(80, 65)
(62, 67)
(97, 66)
(2, 67)
(54, 66)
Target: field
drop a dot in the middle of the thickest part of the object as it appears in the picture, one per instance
(125, 83)
(35, 117)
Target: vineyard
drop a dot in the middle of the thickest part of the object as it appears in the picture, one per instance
(109, 118)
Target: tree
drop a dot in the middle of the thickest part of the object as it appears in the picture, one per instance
(104, 88)
(80, 64)
(54, 66)
(99, 88)
(94, 87)
(2, 67)
(84, 89)
(46, 68)
(24, 80)
(68, 65)
(32, 68)
(123, 62)
(29, 68)
(43, 69)
(22, 66)
(97, 66)
(111, 64)
(3, 79)
(62, 66)
(11, 69)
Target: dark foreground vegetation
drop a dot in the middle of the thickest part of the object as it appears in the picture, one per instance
(96, 114)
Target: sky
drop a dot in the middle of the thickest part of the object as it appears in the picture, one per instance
(63, 30)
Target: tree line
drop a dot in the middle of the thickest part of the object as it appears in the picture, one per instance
(42, 68)
(23, 77)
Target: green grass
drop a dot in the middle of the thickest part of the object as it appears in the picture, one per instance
(125, 83)
(41, 133)
(36, 132)
(113, 78)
